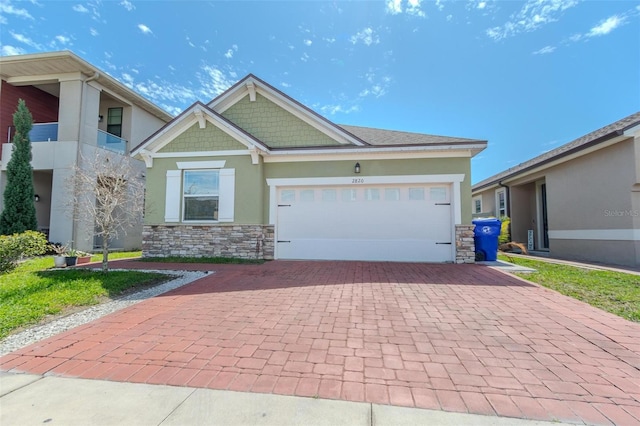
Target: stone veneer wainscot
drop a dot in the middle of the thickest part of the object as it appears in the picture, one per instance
(239, 241)
(465, 246)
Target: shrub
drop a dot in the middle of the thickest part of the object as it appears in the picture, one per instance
(16, 246)
(505, 234)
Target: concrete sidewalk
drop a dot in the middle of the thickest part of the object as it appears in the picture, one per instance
(27, 399)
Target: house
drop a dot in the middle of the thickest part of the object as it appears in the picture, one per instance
(579, 201)
(77, 109)
(256, 174)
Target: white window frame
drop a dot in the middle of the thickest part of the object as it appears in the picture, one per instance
(185, 196)
(473, 204)
(174, 193)
(503, 192)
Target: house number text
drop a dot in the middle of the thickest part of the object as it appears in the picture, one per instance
(357, 180)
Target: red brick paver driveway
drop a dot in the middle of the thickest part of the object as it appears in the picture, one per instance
(453, 337)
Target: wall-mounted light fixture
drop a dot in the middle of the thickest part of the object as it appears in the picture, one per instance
(357, 168)
(100, 118)
(36, 198)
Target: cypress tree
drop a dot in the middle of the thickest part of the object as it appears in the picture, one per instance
(19, 212)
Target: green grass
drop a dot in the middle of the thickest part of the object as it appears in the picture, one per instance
(30, 293)
(614, 292)
(185, 259)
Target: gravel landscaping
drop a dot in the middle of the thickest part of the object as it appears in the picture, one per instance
(59, 325)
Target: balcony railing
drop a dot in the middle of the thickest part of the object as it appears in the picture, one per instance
(41, 132)
(111, 142)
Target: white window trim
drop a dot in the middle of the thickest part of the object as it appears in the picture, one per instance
(497, 195)
(183, 196)
(200, 165)
(473, 204)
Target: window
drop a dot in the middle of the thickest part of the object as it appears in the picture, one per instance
(501, 203)
(329, 195)
(477, 204)
(307, 195)
(416, 194)
(391, 194)
(349, 195)
(114, 121)
(200, 195)
(371, 194)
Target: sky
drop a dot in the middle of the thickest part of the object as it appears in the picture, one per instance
(527, 76)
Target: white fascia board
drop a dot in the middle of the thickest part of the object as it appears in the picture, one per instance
(367, 154)
(361, 156)
(228, 153)
(44, 78)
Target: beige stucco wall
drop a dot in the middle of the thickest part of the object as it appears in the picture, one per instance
(523, 211)
(583, 192)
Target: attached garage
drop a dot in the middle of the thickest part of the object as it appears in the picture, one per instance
(385, 221)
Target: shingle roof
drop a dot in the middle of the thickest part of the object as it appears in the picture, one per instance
(597, 136)
(382, 137)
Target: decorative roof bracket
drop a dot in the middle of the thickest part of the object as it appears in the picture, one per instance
(251, 87)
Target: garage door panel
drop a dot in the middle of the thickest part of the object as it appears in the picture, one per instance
(401, 223)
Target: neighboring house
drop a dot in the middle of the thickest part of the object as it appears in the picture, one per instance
(76, 110)
(256, 174)
(581, 201)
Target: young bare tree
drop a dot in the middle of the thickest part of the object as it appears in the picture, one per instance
(108, 196)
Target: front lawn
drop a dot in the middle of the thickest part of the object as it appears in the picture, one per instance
(614, 292)
(31, 292)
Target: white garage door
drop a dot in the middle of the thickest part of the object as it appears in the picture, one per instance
(382, 222)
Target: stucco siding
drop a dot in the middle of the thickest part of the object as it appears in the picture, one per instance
(195, 139)
(249, 191)
(624, 253)
(273, 125)
(523, 211)
(588, 192)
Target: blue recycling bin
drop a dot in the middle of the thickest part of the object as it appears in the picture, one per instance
(485, 237)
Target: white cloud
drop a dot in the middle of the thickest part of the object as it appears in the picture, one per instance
(449, 17)
(366, 36)
(213, 81)
(144, 29)
(304, 57)
(127, 5)
(533, 15)
(606, 26)
(336, 108)
(231, 51)
(544, 50)
(307, 42)
(410, 7)
(94, 32)
(439, 5)
(394, 6)
(26, 40)
(62, 39)
(8, 9)
(481, 5)
(377, 86)
(283, 84)
(11, 50)
(80, 8)
(329, 39)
